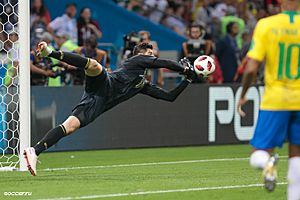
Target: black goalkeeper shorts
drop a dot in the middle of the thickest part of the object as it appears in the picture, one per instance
(92, 103)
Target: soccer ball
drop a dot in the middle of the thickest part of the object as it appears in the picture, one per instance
(204, 65)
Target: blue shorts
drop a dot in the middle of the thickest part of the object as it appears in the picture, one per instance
(274, 127)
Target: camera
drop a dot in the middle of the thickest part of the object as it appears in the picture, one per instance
(130, 40)
(195, 48)
(196, 45)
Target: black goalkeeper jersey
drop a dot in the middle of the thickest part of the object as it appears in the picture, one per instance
(129, 79)
(109, 89)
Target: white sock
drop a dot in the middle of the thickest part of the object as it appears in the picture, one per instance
(259, 159)
(294, 179)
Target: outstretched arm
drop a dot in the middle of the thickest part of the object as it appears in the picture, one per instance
(154, 62)
(159, 93)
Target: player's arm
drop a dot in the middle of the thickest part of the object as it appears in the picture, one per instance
(184, 67)
(248, 77)
(154, 62)
(256, 55)
(36, 70)
(159, 93)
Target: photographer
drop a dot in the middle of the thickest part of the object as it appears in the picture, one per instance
(198, 43)
(130, 40)
(45, 71)
(40, 69)
(89, 49)
(154, 75)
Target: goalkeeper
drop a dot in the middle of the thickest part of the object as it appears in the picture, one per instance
(105, 90)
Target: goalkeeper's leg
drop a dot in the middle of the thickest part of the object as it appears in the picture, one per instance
(90, 66)
(51, 138)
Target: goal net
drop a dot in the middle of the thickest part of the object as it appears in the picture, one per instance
(14, 83)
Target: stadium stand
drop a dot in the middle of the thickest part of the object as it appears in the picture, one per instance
(156, 17)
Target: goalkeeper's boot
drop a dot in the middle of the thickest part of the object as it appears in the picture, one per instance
(31, 160)
(43, 50)
(270, 173)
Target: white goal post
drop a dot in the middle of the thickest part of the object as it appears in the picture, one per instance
(15, 83)
(24, 79)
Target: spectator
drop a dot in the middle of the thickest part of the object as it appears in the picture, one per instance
(215, 15)
(39, 19)
(246, 37)
(228, 53)
(203, 14)
(249, 17)
(13, 40)
(215, 27)
(135, 6)
(39, 13)
(155, 8)
(10, 60)
(40, 69)
(261, 13)
(146, 37)
(55, 64)
(35, 33)
(175, 20)
(187, 16)
(66, 23)
(210, 12)
(221, 9)
(89, 50)
(273, 6)
(122, 3)
(241, 68)
(217, 76)
(64, 42)
(230, 17)
(198, 43)
(87, 27)
(154, 75)
(9, 14)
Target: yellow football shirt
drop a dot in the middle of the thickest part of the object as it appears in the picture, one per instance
(277, 40)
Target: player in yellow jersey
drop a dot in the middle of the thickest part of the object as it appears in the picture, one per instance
(276, 40)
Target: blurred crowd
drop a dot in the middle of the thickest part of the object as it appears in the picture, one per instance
(221, 29)
(66, 33)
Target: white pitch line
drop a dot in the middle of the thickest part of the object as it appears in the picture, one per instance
(162, 191)
(149, 164)
(146, 164)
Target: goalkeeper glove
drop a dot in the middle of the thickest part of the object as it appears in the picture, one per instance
(189, 72)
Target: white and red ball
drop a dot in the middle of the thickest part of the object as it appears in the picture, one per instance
(204, 65)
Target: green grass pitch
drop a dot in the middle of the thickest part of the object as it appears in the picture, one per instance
(148, 174)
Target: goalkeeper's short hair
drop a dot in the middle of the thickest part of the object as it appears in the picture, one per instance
(142, 47)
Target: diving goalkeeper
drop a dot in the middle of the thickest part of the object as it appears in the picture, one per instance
(105, 90)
